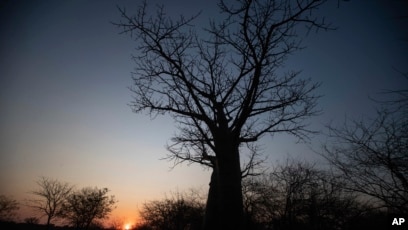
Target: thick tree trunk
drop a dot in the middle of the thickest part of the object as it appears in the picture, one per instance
(224, 208)
(225, 188)
(211, 211)
(230, 190)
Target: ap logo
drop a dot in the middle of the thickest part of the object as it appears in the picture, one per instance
(398, 221)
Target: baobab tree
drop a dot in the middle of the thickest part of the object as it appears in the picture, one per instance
(223, 86)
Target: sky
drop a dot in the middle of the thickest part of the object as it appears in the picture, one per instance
(64, 77)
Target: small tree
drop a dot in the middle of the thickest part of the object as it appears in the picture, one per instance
(31, 220)
(8, 208)
(87, 205)
(52, 194)
(177, 212)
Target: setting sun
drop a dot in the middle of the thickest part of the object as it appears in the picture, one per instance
(127, 226)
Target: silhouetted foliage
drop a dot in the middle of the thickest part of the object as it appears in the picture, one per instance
(52, 195)
(298, 196)
(116, 223)
(224, 88)
(295, 195)
(32, 220)
(372, 154)
(83, 207)
(8, 208)
(32, 226)
(174, 213)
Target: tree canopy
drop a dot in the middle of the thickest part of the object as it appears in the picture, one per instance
(225, 89)
(87, 205)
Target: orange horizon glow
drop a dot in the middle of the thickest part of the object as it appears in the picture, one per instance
(127, 217)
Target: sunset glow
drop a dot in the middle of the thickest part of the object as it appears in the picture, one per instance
(127, 226)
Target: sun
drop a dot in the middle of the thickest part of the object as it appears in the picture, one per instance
(127, 226)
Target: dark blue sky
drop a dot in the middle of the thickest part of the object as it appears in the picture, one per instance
(64, 73)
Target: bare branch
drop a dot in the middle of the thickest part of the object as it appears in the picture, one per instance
(51, 195)
(224, 90)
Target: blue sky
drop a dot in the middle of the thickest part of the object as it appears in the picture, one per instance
(64, 73)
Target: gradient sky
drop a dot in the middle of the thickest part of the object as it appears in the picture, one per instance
(64, 73)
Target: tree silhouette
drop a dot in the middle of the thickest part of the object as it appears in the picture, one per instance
(116, 223)
(52, 195)
(31, 220)
(225, 88)
(179, 211)
(85, 206)
(296, 195)
(8, 207)
(373, 154)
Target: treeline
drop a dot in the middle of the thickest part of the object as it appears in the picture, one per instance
(295, 195)
(55, 200)
(11, 225)
(292, 195)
